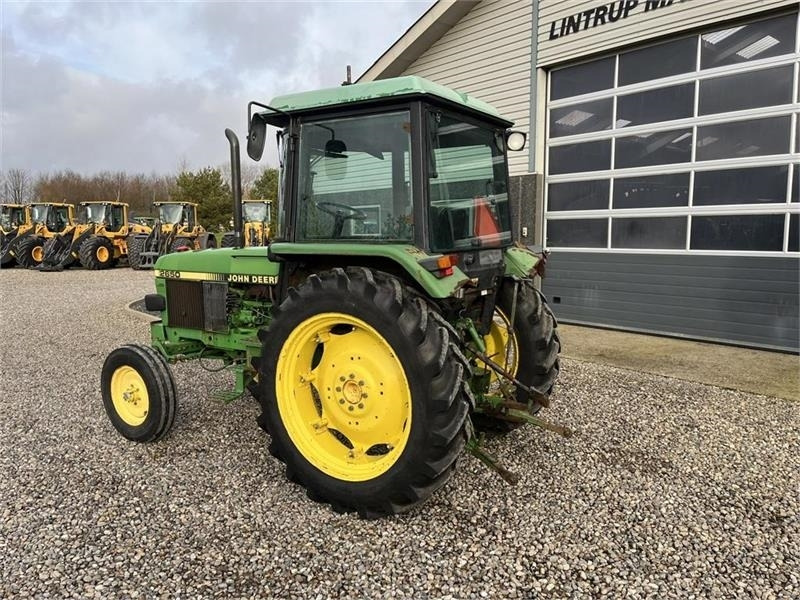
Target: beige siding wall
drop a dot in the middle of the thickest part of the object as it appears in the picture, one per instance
(488, 54)
(638, 27)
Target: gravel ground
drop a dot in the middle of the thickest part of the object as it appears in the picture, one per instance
(668, 489)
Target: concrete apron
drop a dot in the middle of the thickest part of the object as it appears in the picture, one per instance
(757, 371)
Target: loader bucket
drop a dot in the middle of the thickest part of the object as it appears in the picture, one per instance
(61, 251)
(57, 254)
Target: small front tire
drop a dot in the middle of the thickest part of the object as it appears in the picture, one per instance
(139, 392)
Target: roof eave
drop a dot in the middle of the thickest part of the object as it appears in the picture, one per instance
(425, 32)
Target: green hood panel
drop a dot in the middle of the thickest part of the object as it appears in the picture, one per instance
(234, 261)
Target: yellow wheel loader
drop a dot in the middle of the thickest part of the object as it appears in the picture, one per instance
(98, 241)
(48, 220)
(255, 225)
(14, 219)
(176, 229)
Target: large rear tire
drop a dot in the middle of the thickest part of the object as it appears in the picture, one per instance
(139, 392)
(362, 393)
(532, 345)
(30, 251)
(96, 253)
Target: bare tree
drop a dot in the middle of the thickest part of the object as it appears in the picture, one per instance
(17, 186)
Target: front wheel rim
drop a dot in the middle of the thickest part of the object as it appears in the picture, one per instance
(129, 395)
(37, 253)
(102, 254)
(343, 397)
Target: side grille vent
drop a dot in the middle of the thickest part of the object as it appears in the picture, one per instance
(185, 304)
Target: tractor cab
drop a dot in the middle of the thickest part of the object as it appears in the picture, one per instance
(177, 214)
(399, 161)
(12, 216)
(255, 211)
(54, 217)
(110, 215)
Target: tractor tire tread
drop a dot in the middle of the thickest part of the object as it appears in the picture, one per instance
(445, 403)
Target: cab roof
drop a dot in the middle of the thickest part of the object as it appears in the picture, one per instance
(380, 90)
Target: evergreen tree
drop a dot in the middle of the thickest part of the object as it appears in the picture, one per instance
(212, 194)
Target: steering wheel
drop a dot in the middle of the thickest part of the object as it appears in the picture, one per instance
(340, 213)
(338, 210)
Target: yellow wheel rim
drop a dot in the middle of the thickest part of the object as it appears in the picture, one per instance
(343, 397)
(501, 345)
(129, 395)
(102, 253)
(37, 253)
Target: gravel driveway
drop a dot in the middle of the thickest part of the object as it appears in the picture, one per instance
(668, 488)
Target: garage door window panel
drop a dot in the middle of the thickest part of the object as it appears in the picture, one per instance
(738, 232)
(580, 118)
(655, 106)
(655, 62)
(577, 233)
(760, 185)
(794, 233)
(742, 91)
(742, 139)
(576, 158)
(753, 41)
(660, 233)
(652, 191)
(578, 195)
(583, 79)
(660, 148)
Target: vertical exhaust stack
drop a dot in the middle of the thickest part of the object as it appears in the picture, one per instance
(236, 186)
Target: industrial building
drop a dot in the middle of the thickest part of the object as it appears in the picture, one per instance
(663, 164)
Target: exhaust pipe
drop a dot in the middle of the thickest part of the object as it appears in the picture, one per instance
(236, 187)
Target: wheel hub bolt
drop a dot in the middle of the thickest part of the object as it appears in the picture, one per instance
(341, 400)
(360, 405)
(350, 408)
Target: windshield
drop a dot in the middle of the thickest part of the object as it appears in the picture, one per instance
(12, 217)
(467, 182)
(39, 213)
(255, 212)
(170, 213)
(355, 178)
(94, 213)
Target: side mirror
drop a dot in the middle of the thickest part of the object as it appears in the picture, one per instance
(515, 140)
(335, 159)
(256, 137)
(335, 149)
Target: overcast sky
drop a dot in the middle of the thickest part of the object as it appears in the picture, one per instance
(147, 86)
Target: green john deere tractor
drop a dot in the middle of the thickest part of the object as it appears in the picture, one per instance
(391, 314)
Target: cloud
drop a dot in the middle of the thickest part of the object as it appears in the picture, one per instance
(144, 86)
